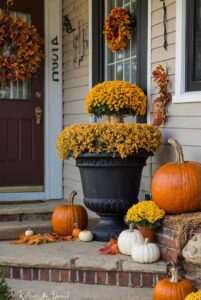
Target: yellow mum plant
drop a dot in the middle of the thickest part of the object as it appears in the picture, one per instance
(118, 139)
(194, 296)
(116, 98)
(145, 214)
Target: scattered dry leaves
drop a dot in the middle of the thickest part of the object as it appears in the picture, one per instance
(38, 239)
(111, 248)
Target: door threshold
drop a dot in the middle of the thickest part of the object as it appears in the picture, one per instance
(14, 202)
(21, 189)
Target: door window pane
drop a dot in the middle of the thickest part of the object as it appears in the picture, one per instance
(22, 89)
(122, 65)
(119, 71)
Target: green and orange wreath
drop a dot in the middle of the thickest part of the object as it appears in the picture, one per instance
(118, 29)
(20, 50)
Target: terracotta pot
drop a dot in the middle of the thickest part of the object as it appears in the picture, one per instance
(147, 233)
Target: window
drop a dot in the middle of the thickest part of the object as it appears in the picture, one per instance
(122, 65)
(131, 64)
(193, 45)
(188, 51)
(22, 89)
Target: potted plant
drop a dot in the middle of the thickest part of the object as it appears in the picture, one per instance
(147, 217)
(116, 98)
(111, 156)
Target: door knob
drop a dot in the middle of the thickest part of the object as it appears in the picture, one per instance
(38, 114)
(38, 94)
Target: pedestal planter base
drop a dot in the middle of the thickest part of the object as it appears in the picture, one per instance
(108, 227)
(110, 186)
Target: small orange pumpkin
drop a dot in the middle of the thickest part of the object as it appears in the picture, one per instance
(76, 231)
(65, 216)
(173, 288)
(176, 185)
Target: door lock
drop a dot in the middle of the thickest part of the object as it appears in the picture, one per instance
(38, 114)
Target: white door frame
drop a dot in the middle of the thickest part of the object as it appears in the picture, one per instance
(53, 107)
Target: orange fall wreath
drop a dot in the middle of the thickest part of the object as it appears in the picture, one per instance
(20, 50)
(117, 29)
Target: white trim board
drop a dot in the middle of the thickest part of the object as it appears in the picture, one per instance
(53, 107)
(181, 96)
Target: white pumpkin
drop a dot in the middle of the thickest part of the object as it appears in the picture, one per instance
(145, 253)
(29, 232)
(127, 238)
(86, 236)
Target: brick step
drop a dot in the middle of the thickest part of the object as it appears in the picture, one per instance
(11, 230)
(77, 262)
(45, 290)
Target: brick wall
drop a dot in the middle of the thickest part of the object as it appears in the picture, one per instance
(166, 239)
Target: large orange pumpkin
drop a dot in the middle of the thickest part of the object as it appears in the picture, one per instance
(65, 216)
(176, 186)
(173, 288)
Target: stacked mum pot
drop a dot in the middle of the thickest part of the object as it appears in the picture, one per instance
(111, 156)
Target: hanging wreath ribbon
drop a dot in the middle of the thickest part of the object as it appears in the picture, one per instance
(117, 29)
(20, 50)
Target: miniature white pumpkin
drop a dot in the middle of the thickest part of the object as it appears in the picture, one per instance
(29, 232)
(145, 253)
(127, 238)
(86, 236)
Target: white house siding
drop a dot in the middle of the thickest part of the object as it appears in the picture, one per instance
(184, 119)
(75, 87)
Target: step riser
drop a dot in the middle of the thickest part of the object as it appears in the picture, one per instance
(12, 234)
(26, 217)
(9, 231)
(107, 278)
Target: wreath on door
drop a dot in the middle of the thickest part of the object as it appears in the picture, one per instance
(118, 29)
(20, 50)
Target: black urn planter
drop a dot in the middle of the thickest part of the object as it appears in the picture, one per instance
(110, 186)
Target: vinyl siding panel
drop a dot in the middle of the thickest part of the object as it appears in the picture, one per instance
(75, 88)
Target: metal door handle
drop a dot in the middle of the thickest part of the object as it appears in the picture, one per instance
(38, 114)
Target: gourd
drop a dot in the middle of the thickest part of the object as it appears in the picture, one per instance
(145, 253)
(176, 185)
(194, 296)
(86, 236)
(76, 231)
(65, 216)
(173, 288)
(29, 232)
(127, 238)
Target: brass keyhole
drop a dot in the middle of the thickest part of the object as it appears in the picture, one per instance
(38, 114)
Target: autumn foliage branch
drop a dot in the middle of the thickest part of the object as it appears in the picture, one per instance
(159, 105)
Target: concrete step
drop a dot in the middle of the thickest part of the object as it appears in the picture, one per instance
(11, 230)
(77, 262)
(28, 212)
(41, 290)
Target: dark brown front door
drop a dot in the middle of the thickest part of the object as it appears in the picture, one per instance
(21, 139)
